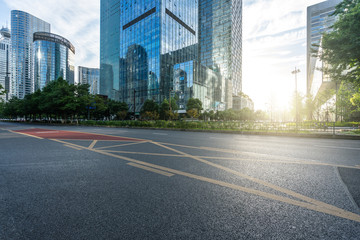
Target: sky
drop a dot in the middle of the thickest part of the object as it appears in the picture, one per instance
(274, 41)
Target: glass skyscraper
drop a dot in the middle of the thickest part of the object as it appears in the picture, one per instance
(90, 76)
(53, 58)
(319, 21)
(23, 27)
(5, 59)
(221, 45)
(150, 50)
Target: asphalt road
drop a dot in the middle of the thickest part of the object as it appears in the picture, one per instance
(57, 183)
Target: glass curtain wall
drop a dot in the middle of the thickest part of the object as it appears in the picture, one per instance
(23, 26)
(53, 58)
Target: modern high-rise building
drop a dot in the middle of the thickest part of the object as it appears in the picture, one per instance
(5, 60)
(23, 27)
(53, 58)
(90, 76)
(319, 20)
(220, 44)
(153, 50)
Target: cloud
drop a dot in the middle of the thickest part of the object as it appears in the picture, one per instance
(78, 21)
(274, 42)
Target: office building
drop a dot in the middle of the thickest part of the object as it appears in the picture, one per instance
(241, 102)
(221, 45)
(53, 58)
(90, 76)
(23, 27)
(5, 60)
(319, 21)
(150, 50)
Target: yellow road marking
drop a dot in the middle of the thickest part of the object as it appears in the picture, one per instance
(129, 138)
(167, 174)
(233, 159)
(28, 135)
(310, 203)
(93, 144)
(284, 159)
(73, 147)
(331, 211)
(143, 153)
(121, 145)
(259, 181)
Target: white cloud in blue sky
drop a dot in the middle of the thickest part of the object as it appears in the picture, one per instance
(274, 39)
(78, 21)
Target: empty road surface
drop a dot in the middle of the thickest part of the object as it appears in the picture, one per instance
(63, 182)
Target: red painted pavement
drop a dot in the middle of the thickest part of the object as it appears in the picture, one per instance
(57, 134)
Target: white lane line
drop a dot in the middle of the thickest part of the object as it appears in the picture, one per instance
(350, 148)
(163, 134)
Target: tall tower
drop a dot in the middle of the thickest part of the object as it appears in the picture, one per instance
(221, 43)
(150, 50)
(319, 21)
(5, 58)
(23, 27)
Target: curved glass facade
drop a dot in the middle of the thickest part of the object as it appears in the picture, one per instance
(150, 50)
(23, 27)
(53, 58)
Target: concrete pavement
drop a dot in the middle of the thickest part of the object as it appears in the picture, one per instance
(175, 185)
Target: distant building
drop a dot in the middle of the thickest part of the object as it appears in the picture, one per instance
(5, 61)
(319, 21)
(241, 102)
(23, 27)
(90, 76)
(155, 49)
(53, 58)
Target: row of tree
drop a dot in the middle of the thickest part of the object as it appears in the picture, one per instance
(61, 100)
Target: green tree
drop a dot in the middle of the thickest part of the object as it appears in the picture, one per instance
(150, 110)
(343, 103)
(165, 110)
(193, 113)
(193, 104)
(355, 100)
(116, 108)
(100, 107)
(13, 107)
(150, 106)
(82, 100)
(2, 90)
(341, 47)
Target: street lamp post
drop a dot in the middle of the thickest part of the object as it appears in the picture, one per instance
(295, 72)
